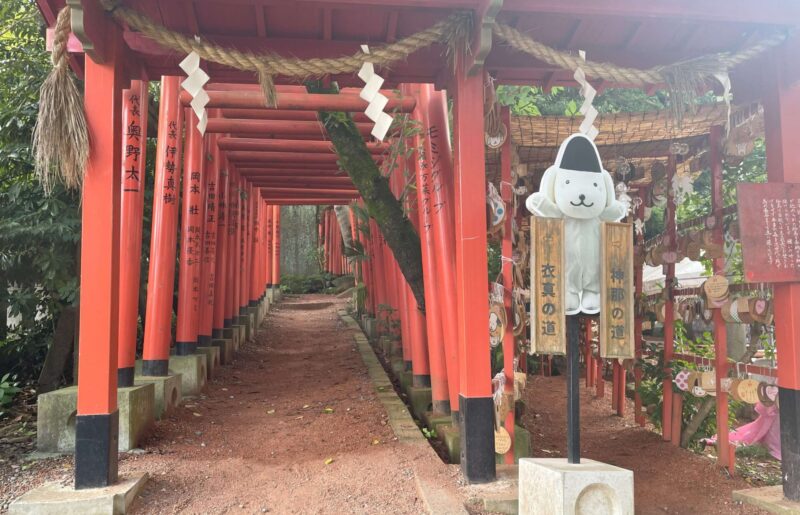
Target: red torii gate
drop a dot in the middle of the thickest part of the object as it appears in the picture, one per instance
(623, 31)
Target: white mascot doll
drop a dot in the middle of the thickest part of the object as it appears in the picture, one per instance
(578, 189)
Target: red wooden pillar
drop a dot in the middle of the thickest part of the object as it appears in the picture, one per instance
(209, 261)
(669, 310)
(276, 246)
(440, 393)
(234, 199)
(720, 330)
(437, 146)
(191, 241)
(239, 261)
(268, 259)
(782, 124)
(247, 230)
(509, 345)
(134, 147)
(255, 265)
(96, 425)
(164, 232)
(475, 402)
(221, 263)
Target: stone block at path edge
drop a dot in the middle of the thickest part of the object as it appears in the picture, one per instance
(556, 487)
(225, 346)
(212, 359)
(57, 412)
(167, 392)
(193, 372)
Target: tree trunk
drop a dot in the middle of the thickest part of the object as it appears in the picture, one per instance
(381, 204)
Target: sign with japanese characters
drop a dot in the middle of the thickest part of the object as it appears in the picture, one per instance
(616, 290)
(769, 224)
(548, 332)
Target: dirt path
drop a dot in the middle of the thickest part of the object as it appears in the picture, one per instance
(667, 479)
(259, 441)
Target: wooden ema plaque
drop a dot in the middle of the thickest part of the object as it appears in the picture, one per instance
(548, 332)
(616, 291)
(769, 224)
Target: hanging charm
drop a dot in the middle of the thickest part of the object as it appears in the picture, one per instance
(194, 83)
(377, 101)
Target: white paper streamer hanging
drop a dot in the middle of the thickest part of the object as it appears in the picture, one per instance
(193, 84)
(377, 101)
(587, 109)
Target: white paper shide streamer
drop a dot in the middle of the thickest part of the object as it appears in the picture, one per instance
(371, 92)
(587, 109)
(193, 84)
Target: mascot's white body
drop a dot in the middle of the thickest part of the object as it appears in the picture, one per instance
(578, 189)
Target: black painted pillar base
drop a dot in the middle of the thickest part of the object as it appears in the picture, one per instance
(242, 310)
(203, 341)
(226, 324)
(185, 348)
(408, 366)
(421, 381)
(477, 438)
(96, 454)
(155, 367)
(216, 334)
(125, 377)
(789, 407)
(253, 303)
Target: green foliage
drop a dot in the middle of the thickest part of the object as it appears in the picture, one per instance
(8, 389)
(299, 284)
(533, 101)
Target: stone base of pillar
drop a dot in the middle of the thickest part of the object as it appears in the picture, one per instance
(167, 392)
(225, 346)
(212, 358)
(554, 486)
(57, 499)
(57, 412)
(193, 371)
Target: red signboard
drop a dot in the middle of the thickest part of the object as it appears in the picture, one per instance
(769, 224)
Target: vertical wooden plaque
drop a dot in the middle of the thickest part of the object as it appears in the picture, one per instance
(616, 291)
(548, 274)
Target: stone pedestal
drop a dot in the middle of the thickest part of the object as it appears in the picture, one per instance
(371, 328)
(420, 400)
(225, 346)
(241, 334)
(193, 371)
(555, 487)
(57, 499)
(167, 392)
(55, 423)
(212, 359)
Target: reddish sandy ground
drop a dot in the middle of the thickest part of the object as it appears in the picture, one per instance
(667, 479)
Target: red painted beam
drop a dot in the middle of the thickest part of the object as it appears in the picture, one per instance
(288, 145)
(281, 170)
(325, 190)
(283, 157)
(303, 184)
(281, 114)
(343, 181)
(283, 127)
(299, 101)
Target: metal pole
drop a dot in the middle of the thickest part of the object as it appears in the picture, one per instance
(573, 391)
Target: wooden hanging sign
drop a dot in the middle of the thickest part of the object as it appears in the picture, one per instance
(548, 274)
(616, 291)
(769, 223)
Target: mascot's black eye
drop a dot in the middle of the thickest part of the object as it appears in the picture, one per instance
(595, 185)
(567, 182)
